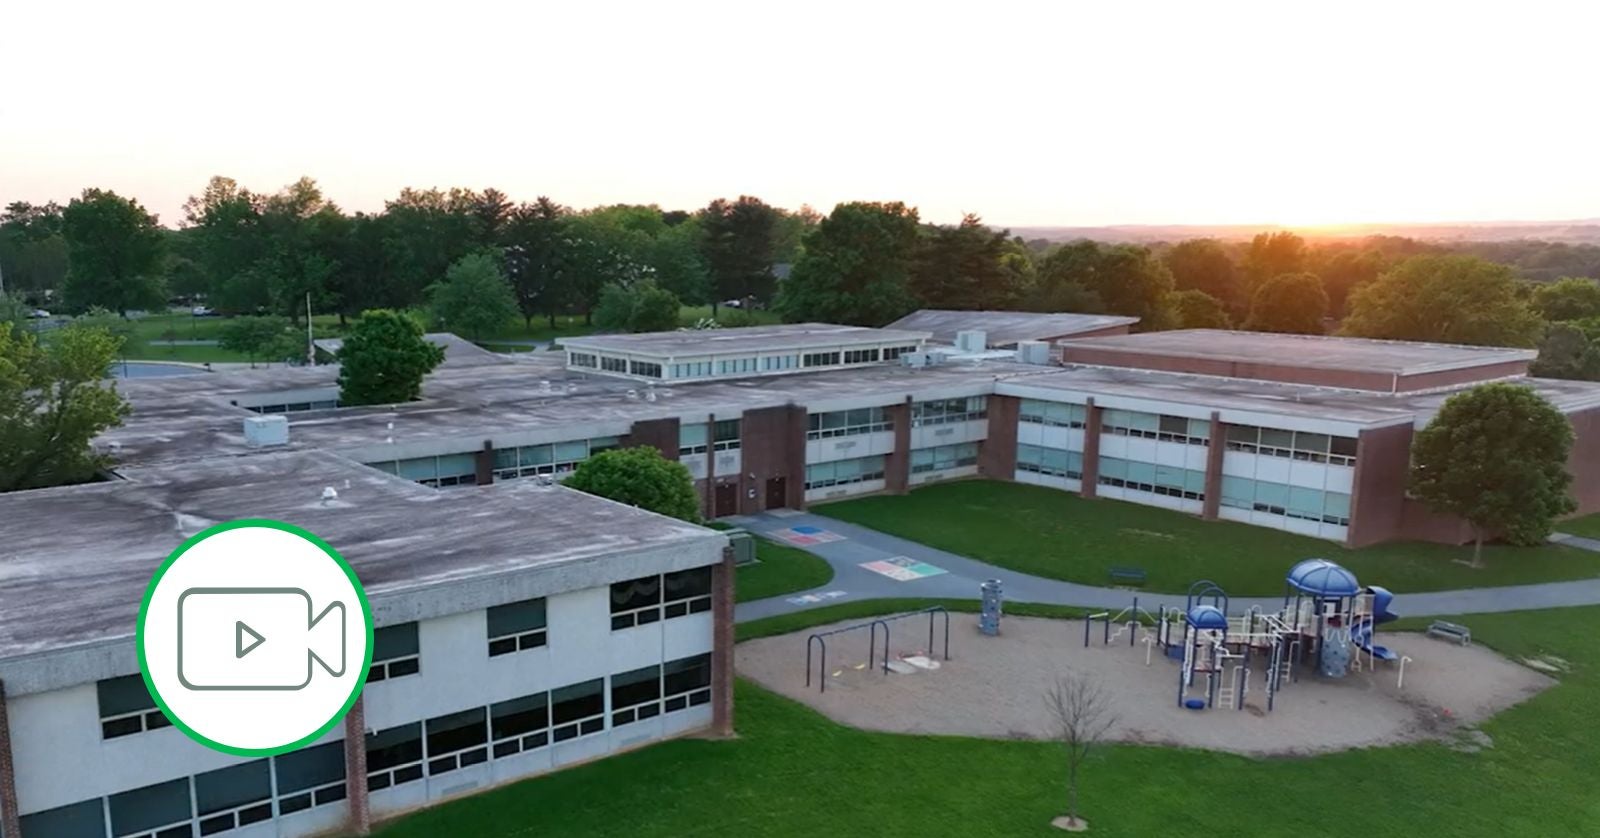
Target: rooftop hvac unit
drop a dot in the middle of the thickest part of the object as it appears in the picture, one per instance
(919, 359)
(262, 431)
(1033, 352)
(744, 546)
(972, 340)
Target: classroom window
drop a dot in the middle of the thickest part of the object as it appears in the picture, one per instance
(457, 740)
(635, 695)
(582, 359)
(894, 352)
(1158, 426)
(310, 777)
(578, 710)
(521, 724)
(440, 471)
(844, 472)
(84, 819)
(725, 435)
(233, 797)
(160, 811)
(820, 359)
(942, 457)
(610, 364)
(1050, 461)
(1169, 481)
(394, 756)
(635, 602)
(1054, 414)
(1297, 445)
(646, 369)
(861, 356)
(126, 707)
(686, 682)
(394, 652)
(686, 592)
(945, 411)
(864, 420)
(516, 627)
(692, 439)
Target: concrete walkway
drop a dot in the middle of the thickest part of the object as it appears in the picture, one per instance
(846, 547)
(1576, 541)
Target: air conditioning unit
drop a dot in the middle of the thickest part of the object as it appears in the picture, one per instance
(263, 431)
(972, 340)
(1033, 352)
(917, 359)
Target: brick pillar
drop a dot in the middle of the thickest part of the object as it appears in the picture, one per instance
(1091, 451)
(355, 768)
(722, 582)
(897, 466)
(710, 498)
(997, 454)
(10, 819)
(1213, 501)
(797, 456)
(484, 463)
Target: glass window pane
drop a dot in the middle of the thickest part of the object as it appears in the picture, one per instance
(457, 731)
(1200, 428)
(520, 715)
(1344, 446)
(1243, 433)
(394, 642)
(310, 767)
(692, 435)
(151, 807)
(420, 468)
(1237, 491)
(1336, 504)
(1194, 481)
(126, 694)
(1113, 468)
(567, 452)
(505, 458)
(1171, 476)
(1174, 425)
(394, 746)
(687, 674)
(1317, 443)
(516, 617)
(232, 787)
(85, 819)
(685, 584)
(727, 430)
(577, 701)
(457, 464)
(1305, 502)
(1272, 494)
(1141, 472)
(536, 455)
(1277, 438)
(635, 687)
(635, 593)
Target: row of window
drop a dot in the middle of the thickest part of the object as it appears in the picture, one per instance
(1171, 481)
(610, 364)
(844, 472)
(549, 458)
(649, 599)
(941, 457)
(945, 411)
(1289, 501)
(296, 407)
(1157, 426)
(204, 804)
(865, 420)
(820, 359)
(692, 437)
(583, 359)
(1050, 461)
(648, 369)
(443, 470)
(1298, 445)
(1052, 413)
(697, 369)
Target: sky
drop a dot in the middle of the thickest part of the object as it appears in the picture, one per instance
(1029, 114)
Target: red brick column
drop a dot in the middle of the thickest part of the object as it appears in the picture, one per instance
(710, 498)
(10, 819)
(1214, 454)
(1091, 451)
(483, 463)
(722, 582)
(997, 454)
(355, 768)
(897, 466)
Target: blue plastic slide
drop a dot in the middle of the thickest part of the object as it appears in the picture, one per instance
(1361, 635)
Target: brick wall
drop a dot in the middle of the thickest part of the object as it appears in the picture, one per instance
(772, 445)
(997, 455)
(1383, 461)
(660, 434)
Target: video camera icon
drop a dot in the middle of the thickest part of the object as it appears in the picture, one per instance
(256, 639)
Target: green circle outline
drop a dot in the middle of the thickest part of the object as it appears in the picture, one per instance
(246, 523)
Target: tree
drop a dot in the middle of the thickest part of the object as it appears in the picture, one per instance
(13, 315)
(1496, 455)
(535, 243)
(1567, 352)
(1290, 304)
(641, 307)
(1570, 298)
(384, 359)
(269, 337)
(1273, 254)
(639, 477)
(114, 252)
(1203, 265)
(964, 267)
(1343, 269)
(1195, 309)
(425, 232)
(855, 268)
(737, 241)
(1125, 279)
(1444, 299)
(1082, 714)
(473, 297)
(33, 253)
(55, 399)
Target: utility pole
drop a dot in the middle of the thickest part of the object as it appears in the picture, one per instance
(311, 346)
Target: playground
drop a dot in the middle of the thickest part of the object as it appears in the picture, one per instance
(1320, 675)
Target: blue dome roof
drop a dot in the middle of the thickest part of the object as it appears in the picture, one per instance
(1208, 617)
(1321, 577)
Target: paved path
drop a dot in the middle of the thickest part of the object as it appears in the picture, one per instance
(1577, 541)
(962, 576)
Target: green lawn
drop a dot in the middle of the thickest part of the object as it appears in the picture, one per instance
(792, 772)
(1588, 525)
(780, 570)
(1058, 534)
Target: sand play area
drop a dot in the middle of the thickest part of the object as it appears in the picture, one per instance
(996, 687)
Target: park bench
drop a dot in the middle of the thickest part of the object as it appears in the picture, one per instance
(1127, 575)
(1451, 631)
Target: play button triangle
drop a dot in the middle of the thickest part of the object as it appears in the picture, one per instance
(242, 647)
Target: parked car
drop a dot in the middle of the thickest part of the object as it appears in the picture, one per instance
(39, 314)
(733, 303)
(203, 311)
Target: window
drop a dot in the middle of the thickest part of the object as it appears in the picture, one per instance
(695, 369)
(1298, 445)
(613, 364)
(394, 653)
(686, 682)
(582, 359)
(736, 365)
(848, 422)
(780, 362)
(844, 472)
(942, 457)
(557, 458)
(447, 470)
(232, 797)
(949, 410)
(457, 740)
(1163, 427)
(1052, 413)
(1050, 461)
(820, 359)
(521, 724)
(691, 439)
(1169, 481)
(645, 368)
(516, 627)
(394, 756)
(310, 777)
(1288, 501)
(894, 352)
(635, 602)
(126, 707)
(84, 819)
(687, 592)
(726, 436)
(635, 696)
(159, 811)
(861, 356)
(578, 710)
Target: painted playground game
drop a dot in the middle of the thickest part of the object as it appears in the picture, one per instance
(1319, 675)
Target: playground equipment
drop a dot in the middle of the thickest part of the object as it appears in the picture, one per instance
(990, 609)
(820, 641)
(1206, 651)
(1129, 626)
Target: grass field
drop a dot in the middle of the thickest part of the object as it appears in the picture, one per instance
(1588, 525)
(792, 772)
(780, 570)
(1063, 536)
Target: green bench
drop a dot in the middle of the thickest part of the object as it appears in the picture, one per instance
(1127, 575)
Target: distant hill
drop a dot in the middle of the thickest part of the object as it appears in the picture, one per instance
(1582, 231)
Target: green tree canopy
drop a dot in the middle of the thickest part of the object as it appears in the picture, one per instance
(1444, 299)
(1569, 298)
(33, 252)
(640, 307)
(1125, 279)
(1204, 265)
(965, 267)
(738, 240)
(54, 400)
(535, 239)
(114, 252)
(1496, 456)
(1290, 304)
(474, 297)
(1567, 352)
(855, 267)
(1195, 309)
(384, 359)
(1273, 254)
(270, 337)
(639, 477)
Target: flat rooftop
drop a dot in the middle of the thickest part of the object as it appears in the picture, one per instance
(457, 351)
(75, 560)
(690, 342)
(1007, 327)
(1401, 358)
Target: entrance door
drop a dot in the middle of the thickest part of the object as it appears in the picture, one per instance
(777, 492)
(727, 500)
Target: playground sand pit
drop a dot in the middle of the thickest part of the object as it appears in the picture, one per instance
(995, 687)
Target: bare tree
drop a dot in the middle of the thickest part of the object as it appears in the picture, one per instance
(1082, 713)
